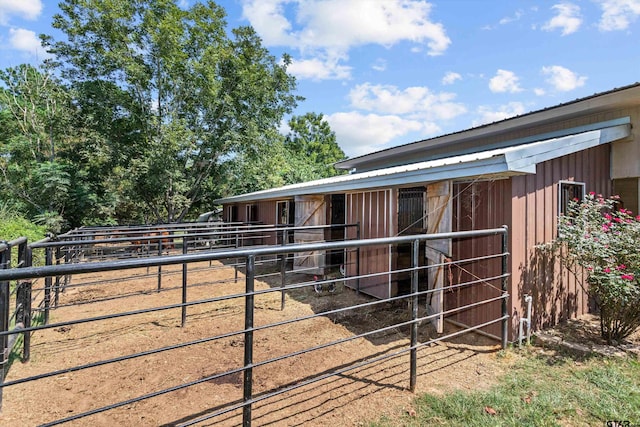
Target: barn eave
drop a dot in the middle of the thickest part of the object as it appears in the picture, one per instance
(502, 162)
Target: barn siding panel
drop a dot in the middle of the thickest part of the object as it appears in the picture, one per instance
(478, 205)
(370, 209)
(557, 295)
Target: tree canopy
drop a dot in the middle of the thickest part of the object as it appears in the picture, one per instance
(148, 111)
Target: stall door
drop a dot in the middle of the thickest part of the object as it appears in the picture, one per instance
(310, 210)
(439, 221)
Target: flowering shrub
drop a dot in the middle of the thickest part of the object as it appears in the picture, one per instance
(606, 243)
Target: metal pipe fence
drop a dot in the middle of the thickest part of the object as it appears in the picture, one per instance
(255, 265)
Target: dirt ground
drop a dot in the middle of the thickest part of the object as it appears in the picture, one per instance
(355, 397)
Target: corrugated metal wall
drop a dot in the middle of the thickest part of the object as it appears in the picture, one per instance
(478, 205)
(376, 213)
(557, 295)
(266, 214)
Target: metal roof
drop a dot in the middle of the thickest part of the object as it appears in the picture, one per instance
(502, 162)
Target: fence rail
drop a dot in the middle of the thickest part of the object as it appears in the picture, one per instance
(67, 268)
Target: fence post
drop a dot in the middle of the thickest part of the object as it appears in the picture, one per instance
(184, 283)
(358, 259)
(283, 269)
(57, 285)
(159, 267)
(48, 260)
(505, 312)
(235, 279)
(413, 369)
(26, 337)
(67, 260)
(5, 259)
(248, 341)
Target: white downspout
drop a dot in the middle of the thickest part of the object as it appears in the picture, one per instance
(528, 299)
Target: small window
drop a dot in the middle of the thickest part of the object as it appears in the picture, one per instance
(412, 217)
(569, 191)
(282, 213)
(252, 213)
(232, 213)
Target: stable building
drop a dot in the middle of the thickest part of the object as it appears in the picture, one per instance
(519, 172)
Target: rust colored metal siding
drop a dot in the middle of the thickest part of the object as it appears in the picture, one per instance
(557, 295)
(376, 212)
(267, 215)
(478, 205)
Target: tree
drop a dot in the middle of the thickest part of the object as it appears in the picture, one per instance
(36, 113)
(313, 142)
(190, 97)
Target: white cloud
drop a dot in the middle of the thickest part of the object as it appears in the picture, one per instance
(415, 101)
(450, 78)
(267, 17)
(513, 18)
(26, 41)
(330, 28)
(379, 65)
(539, 91)
(359, 134)
(504, 81)
(319, 69)
(26, 9)
(488, 115)
(568, 19)
(618, 14)
(563, 79)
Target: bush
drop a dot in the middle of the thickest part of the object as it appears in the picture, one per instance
(13, 225)
(604, 241)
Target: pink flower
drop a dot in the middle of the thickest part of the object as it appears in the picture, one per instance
(637, 217)
(626, 276)
(621, 267)
(607, 270)
(592, 193)
(608, 216)
(605, 227)
(590, 268)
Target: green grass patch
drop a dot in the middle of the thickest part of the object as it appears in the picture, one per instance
(541, 390)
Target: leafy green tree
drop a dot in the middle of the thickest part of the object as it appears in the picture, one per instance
(183, 96)
(313, 142)
(36, 112)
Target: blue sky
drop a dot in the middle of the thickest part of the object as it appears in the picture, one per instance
(389, 72)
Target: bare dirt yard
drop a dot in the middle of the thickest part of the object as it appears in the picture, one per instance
(355, 397)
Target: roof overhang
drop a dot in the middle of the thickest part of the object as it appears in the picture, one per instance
(502, 162)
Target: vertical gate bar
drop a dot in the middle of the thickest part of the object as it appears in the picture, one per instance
(283, 269)
(235, 280)
(22, 254)
(248, 340)
(160, 266)
(57, 285)
(184, 283)
(505, 313)
(67, 260)
(26, 337)
(47, 284)
(414, 316)
(4, 316)
(358, 259)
